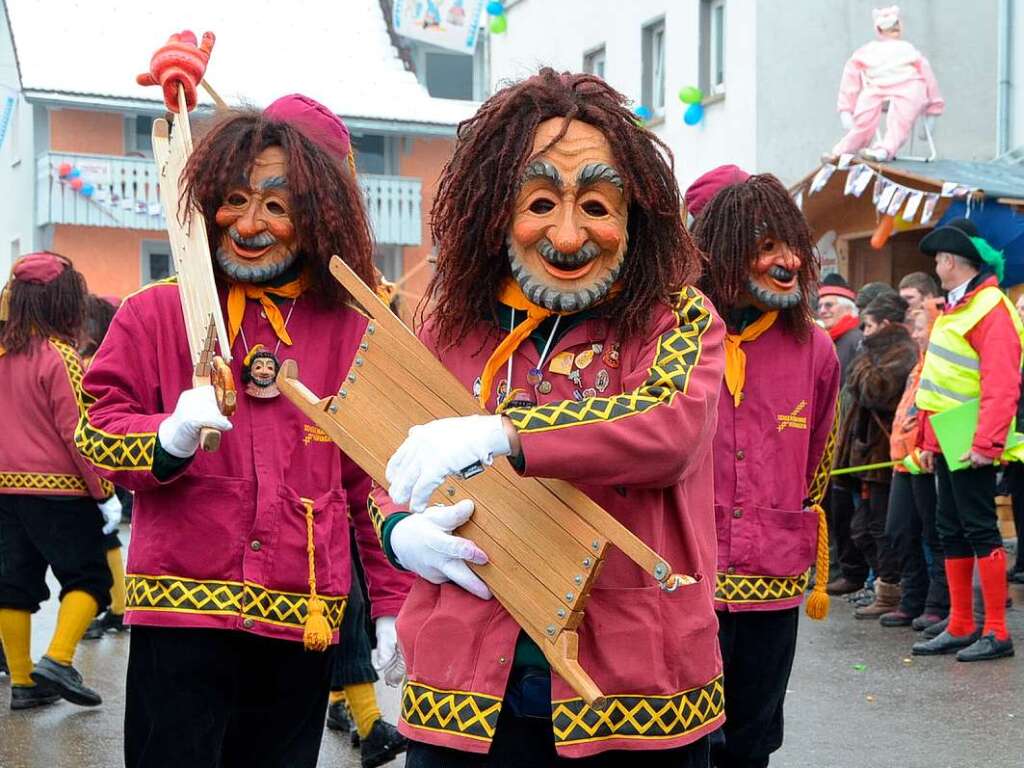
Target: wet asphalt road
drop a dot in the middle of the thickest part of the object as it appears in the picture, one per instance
(895, 711)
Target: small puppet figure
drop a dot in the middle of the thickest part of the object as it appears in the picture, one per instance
(892, 70)
(259, 373)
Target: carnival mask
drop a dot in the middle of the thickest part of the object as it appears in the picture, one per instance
(774, 276)
(257, 239)
(260, 375)
(568, 236)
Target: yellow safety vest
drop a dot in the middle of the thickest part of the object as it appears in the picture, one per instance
(951, 373)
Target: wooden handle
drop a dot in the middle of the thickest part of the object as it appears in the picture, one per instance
(209, 439)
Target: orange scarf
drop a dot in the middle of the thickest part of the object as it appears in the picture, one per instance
(512, 295)
(239, 292)
(736, 358)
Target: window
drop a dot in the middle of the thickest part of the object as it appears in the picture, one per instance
(371, 153)
(593, 62)
(138, 135)
(156, 260)
(653, 80)
(712, 47)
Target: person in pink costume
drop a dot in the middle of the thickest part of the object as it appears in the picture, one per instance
(892, 70)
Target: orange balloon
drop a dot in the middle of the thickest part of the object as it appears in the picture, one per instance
(882, 232)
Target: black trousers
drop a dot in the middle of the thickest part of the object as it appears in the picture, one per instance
(211, 698)
(868, 532)
(528, 742)
(1014, 476)
(905, 529)
(966, 510)
(352, 663)
(757, 654)
(842, 507)
(64, 534)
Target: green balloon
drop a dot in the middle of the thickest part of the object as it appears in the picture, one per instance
(691, 94)
(498, 25)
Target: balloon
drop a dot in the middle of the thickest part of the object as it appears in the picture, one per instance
(74, 173)
(642, 112)
(87, 190)
(63, 169)
(691, 94)
(694, 114)
(498, 25)
(495, 8)
(76, 184)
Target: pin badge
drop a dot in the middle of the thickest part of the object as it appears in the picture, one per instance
(477, 386)
(576, 379)
(589, 392)
(598, 348)
(544, 387)
(561, 363)
(602, 380)
(534, 377)
(577, 395)
(584, 358)
(611, 356)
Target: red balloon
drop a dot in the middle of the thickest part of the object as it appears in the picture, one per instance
(76, 184)
(64, 169)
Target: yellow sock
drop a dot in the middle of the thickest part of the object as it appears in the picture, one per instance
(335, 697)
(16, 631)
(116, 565)
(77, 609)
(362, 703)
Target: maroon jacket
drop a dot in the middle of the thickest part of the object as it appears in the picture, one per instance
(41, 389)
(641, 448)
(223, 542)
(772, 454)
(995, 340)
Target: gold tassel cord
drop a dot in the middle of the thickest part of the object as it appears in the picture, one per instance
(818, 602)
(316, 635)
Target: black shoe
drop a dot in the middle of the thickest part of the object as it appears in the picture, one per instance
(985, 648)
(106, 622)
(925, 620)
(32, 696)
(1017, 577)
(382, 745)
(67, 681)
(936, 629)
(944, 643)
(338, 720)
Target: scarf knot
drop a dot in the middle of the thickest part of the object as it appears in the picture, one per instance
(239, 292)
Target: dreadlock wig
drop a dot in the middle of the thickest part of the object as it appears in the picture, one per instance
(729, 231)
(327, 204)
(474, 206)
(41, 310)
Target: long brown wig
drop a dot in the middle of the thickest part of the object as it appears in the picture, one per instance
(728, 231)
(327, 204)
(472, 212)
(41, 311)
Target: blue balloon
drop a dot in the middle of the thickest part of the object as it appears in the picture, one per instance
(88, 190)
(642, 112)
(75, 173)
(694, 114)
(495, 8)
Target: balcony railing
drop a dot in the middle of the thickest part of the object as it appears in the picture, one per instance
(125, 194)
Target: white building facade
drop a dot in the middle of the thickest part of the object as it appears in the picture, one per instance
(769, 69)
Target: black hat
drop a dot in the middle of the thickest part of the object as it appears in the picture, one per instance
(834, 278)
(953, 237)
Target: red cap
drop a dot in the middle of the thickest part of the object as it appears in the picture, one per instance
(710, 184)
(837, 290)
(314, 121)
(40, 268)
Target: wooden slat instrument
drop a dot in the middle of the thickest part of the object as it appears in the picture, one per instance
(200, 305)
(545, 539)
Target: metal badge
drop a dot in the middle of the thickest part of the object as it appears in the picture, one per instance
(544, 387)
(584, 358)
(602, 381)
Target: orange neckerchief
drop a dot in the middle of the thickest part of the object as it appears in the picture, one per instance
(512, 295)
(736, 358)
(239, 292)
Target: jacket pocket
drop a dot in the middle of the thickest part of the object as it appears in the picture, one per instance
(289, 566)
(774, 542)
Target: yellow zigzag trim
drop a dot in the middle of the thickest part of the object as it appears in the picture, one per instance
(819, 484)
(739, 588)
(473, 715)
(42, 481)
(376, 517)
(73, 368)
(678, 352)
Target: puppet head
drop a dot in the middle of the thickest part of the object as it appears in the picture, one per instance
(760, 250)
(259, 372)
(44, 297)
(887, 22)
(279, 195)
(553, 185)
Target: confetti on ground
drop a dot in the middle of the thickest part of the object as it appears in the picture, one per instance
(860, 667)
(908, 661)
(869, 698)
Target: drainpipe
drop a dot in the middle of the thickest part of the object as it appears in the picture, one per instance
(1003, 106)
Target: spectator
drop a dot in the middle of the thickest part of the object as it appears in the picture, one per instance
(974, 352)
(838, 315)
(874, 385)
(871, 291)
(1015, 484)
(916, 288)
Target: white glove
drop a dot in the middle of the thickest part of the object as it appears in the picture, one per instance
(423, 544)
(111, 509)
(440, 448)
(196, 408)
(387, 656)
(927, 125)
(846, 120)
